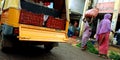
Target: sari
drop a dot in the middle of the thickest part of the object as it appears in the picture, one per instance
(102, 34)
(86, 35)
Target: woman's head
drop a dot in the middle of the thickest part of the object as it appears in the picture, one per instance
(107, 16)
(86, 19)
(75, 23)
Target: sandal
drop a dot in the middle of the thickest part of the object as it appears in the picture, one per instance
(83, 49)
(105, 57)
(100, 55)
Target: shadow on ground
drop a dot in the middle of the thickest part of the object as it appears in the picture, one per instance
(27, 51)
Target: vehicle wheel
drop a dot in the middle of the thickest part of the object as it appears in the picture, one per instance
(48, 46)
(6, 45)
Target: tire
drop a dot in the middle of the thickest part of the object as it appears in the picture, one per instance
(6, 44)
(48, 46)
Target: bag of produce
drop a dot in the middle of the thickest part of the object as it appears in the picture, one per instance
(92, 13)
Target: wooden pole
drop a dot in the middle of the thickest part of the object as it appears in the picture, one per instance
(67, 15)
(82, 23)
(115, 17)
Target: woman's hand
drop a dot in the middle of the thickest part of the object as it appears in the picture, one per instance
(113, 32)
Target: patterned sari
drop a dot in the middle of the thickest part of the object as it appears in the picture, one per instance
(102, 34)
(86, 35)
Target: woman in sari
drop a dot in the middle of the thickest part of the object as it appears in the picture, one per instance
(102, 35)
(86, 33)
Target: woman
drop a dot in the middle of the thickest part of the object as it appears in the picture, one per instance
(86, 33)
(73, 29)
(76, 28)
(102, 35)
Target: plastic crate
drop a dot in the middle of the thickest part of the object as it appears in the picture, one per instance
(31, 18)
(56, 23)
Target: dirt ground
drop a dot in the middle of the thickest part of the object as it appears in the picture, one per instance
(73, 41)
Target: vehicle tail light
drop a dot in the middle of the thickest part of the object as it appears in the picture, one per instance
(16, 31)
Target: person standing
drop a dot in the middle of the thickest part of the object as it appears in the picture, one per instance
(86, 33)
(102, 35)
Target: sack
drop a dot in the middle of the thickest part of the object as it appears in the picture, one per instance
(114, 41)
(92, 13)
(95, 36)
(12, 3)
